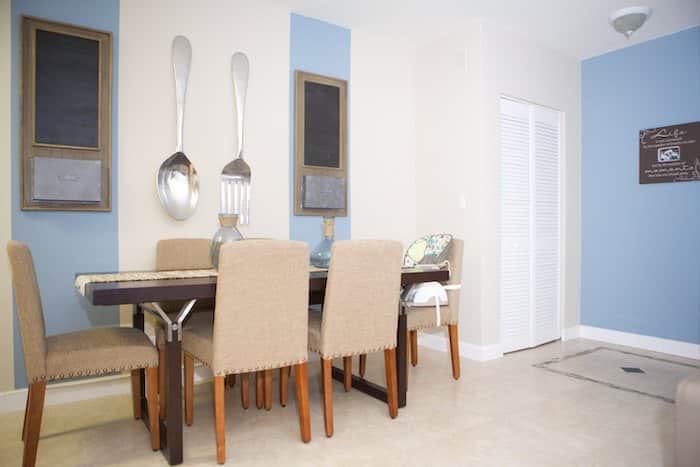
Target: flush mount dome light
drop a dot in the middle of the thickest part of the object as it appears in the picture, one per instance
(628, 20)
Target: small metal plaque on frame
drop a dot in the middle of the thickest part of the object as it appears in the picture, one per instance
(322, 192)
(66, 180)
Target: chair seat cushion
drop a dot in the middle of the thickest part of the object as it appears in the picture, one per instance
(197, 341)
(98, 351)
(199, 318)
(425, 317)
(315, 319)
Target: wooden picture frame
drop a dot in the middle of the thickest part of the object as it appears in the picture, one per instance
(320, 151)
(66, 109)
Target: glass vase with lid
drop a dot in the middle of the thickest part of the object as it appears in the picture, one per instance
(321, 254)
(228, 232)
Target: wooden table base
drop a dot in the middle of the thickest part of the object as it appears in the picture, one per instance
(171, 426)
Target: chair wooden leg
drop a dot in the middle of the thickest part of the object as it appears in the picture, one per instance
(284, 385)
(302, 386)
(392, 394)
(245, 379)
(326, 374)
(347, 373)
(454, 350)
(363, 364)
(152, 398)
(136, 393)
(162, 388)
(259, 389)
(219, 419)
(26, 412)
(268, 389)
(413, 339)
(35, 409)
(189, 388)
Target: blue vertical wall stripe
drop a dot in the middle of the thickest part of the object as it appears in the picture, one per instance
(640, 243)
(64, 243)
(324, 49)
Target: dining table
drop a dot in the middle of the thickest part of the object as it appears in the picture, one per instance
(145, 290)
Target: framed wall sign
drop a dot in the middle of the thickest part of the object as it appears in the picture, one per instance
(320, 147)
(66, 123)
(670, 154)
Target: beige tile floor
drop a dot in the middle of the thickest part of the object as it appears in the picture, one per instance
(500, 413)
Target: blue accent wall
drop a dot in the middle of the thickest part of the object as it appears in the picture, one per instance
(640, 243)
(64, 243)
(324, 49)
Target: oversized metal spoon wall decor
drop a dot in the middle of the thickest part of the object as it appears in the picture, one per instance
(235, 178)
(177, 180)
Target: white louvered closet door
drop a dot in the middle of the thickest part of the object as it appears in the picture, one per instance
(530, 194)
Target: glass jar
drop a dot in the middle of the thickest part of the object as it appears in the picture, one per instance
(321, 254)
(227, 233)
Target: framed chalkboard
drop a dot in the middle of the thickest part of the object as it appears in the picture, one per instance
(66, 109)
(320, 152)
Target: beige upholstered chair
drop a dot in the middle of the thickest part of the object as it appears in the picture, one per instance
(688, 422)
(175, 254)
(82, 353)
(425, 317)
(260, 323)
(360, 313)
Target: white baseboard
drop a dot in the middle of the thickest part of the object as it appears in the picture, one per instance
(480, 353)
(73, 391)
(573, 332)
(655, 344)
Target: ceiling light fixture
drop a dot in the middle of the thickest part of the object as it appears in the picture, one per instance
(628, 20)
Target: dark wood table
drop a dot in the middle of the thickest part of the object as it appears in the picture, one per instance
(138, 293)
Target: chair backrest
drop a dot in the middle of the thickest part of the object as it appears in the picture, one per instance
(173, 254)
(29, 310)
(262, 297)
(361, 304)
(455, 257)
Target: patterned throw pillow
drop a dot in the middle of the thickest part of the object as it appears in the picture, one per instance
(429, 249)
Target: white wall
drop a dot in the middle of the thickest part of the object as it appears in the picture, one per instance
(147, 116)
(382, 138)
(7, 378)
(460, 81)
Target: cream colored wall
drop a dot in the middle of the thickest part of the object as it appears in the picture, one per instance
(461, 78)
(382, 138)
(147, 116)
(447, 171)
(7, 378)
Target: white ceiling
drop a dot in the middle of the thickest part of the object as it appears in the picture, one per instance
(578, 28)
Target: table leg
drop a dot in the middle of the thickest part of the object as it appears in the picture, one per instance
(172, 434)
(401, 376)
(138, 323)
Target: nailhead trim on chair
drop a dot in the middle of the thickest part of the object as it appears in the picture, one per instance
(366, 351)
(267, 366)
(95, 372)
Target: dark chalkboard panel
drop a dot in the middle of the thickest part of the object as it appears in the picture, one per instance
(67, 90)
(321, 125)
